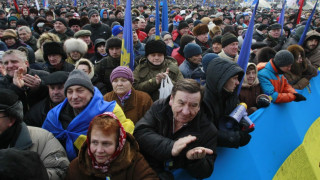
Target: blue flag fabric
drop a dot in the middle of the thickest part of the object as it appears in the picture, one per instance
(203, 2)
(281, 19)
(127, 54)
(164, 16)
(75, 3)
(255, 2)
(173, 2)
(303, 36)
(245, 50)
(157, 20)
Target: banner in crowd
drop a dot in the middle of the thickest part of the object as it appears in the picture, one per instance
(284, 145)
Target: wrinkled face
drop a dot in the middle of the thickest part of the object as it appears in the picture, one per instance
(54, 59)
(115, 52)
(84, 68)
(152, 31)
(232, 83)
(185, 106)
(102, 146)
(12, 62)
(59, 27)
(10, 41)
(95, 19)
(75, 55)
(101, 49)
(86, 39)
(275, 33)
(56, 93)
(75, 28)
(184, 31)
(78, 96)
(156, 58)
(216, 47)
(203, 38)
(286, 68)
(312, 44)
(251, 76)
(142, 23)
(231, 49)
(5, 122)
(196, 59)
(24, 35)
(121, 86)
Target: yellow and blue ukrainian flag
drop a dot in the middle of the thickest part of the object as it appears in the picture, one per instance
(127, 54)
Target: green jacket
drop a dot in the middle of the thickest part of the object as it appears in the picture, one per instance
(145, 75)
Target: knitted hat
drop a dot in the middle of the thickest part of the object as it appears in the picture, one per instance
(82, 33)
(117, 29)
(10, 104)
(299, 31)
(121, 71)
(12, 18)
(227, 39)
(58, 77)
(216, 39)
(63, 21)
(283, 58)
(191, 49)
(149, 27)
(189, 20)
(92, 12)
(274, 26)
(200, 29)
(53, 48)
(9, 33)
(262, 27)
(78, 77)
(182, 24)
(113, 42)
(206, 59)
(156, 46)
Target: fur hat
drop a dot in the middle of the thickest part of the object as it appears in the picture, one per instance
(74, 22)
(88, 63)
(214, 30)
(78, 77)
(191, 49)
(113, 42)
(227, 39)
(122, 71)
(77, 45)
(53, 48)
(58, 77)
(283, 58)
(10, 104)
(265, 54)
(9, 33)
(205, 20)
(47, 37)
(296, 50)
(200, 29)
(156, 46)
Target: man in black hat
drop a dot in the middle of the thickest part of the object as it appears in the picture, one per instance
(97, 28)
(14, 133)
(260, 33)
(55, 83)
(75, 25)
(229, 47)
(183, 29)
(274, 38)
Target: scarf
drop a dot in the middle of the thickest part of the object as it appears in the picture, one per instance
(104, 167)
(125, 97)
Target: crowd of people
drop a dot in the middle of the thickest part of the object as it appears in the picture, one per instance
(70, 110)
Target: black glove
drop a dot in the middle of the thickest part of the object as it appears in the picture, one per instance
(263, 101)
(244, 138)
(299, 97)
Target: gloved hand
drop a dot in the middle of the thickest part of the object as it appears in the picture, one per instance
(263, 101)
(244, 138)
(299, 97)
(244, 126)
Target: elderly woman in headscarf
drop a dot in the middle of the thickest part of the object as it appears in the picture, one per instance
(134, 103)
(109, 152)
(154, 67)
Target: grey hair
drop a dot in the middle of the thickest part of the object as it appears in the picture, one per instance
(21, 55)
(26, 28)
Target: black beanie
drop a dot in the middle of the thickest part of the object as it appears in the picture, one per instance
(78, 77)
(227, 39)
(10, 104)
(156, 46)
(148, 28)
(182, 24)
(283, 58)
(216, 39)
(113, 42)
(63, 21)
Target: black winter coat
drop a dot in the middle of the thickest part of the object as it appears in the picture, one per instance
(219, 101)
(38, 113)
(155, 137)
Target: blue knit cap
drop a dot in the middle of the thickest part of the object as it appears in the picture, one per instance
(191, 49)
(206, 60)
(117, 29)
